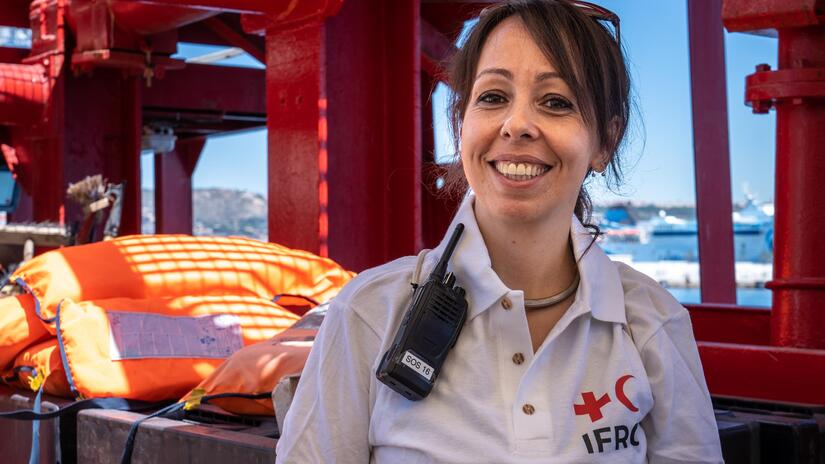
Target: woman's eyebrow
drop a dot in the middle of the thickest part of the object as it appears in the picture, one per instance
(547, 75)
(509, 75)
(499, 71)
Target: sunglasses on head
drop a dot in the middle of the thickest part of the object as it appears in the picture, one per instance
(590, 9)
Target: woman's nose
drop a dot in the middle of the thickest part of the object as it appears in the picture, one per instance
(519, 124)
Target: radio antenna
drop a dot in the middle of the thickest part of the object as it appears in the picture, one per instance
(441, 267)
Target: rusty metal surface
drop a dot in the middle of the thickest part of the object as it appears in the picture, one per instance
(101, 435)
(15, 444)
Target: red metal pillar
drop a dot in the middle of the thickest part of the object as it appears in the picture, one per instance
(797, 91)
(711, 154)
(132, 128)
(374, 115)
(799, 268)
(173, 186)
(294, 83)
(46, 146)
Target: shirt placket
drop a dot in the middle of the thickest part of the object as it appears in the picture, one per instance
(528, 409)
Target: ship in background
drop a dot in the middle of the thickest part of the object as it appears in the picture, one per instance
(664, 244)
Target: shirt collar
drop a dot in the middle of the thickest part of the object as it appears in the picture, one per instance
(600, 290)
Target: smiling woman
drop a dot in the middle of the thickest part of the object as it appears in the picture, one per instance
(565, 356)
(583, 80)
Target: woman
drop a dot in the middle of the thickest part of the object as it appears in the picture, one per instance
(565, 356)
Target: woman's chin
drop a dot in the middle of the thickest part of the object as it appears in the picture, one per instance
(517, 212)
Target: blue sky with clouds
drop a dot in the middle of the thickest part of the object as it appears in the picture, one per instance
(659, 155)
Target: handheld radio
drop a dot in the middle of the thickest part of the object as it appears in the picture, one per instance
(428, 331)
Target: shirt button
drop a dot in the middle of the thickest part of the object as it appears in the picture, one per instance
(518, 358)
(528, 409)
(506, 304)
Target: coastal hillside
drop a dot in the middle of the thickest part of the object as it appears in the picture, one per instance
(218, 211)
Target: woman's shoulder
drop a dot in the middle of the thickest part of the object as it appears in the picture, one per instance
(648, 305)
(376, 294)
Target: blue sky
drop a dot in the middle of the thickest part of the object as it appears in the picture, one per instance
(659, 155)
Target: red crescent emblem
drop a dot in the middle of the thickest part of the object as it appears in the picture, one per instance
(620, 393)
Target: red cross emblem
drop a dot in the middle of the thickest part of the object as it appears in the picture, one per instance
(592, 406)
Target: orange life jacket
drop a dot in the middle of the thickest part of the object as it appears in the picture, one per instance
(19, 327)
(39, 365)
(151, 349)
(158, 266)
(258, 368)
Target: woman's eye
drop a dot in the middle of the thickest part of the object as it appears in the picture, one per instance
(490, 98)
(557, 103)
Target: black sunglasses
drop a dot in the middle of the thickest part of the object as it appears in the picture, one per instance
(596, 12)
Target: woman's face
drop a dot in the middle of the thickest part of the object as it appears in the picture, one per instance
(524, 145)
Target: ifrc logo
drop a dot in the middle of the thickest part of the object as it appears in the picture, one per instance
(593, 407)
(619, 436)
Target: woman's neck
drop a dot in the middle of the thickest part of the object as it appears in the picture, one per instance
(535, 257)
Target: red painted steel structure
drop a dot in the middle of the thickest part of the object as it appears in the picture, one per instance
(173, 186)
(785, 351)
(373, 71)
(346, 102)
(711, 157)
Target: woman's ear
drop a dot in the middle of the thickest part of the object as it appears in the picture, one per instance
(600, 162)
(602, 159)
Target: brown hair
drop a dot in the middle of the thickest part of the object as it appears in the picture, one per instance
(584, 53)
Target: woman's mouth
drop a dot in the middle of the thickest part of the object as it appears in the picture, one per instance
(520, 171)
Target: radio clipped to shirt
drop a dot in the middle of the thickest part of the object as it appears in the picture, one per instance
(428, 331)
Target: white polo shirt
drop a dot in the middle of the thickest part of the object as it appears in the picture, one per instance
(589, 394)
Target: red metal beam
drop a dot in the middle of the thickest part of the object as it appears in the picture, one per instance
(280, 10)
(764, 372)
(436, 50)
(236, 38)
(210, 88)
(750, 15)
(731, 324)
(14, 13)
(375, 150)
(448, 16)
(147, 19)
(12, 55)
(173, 186)
(711, 154)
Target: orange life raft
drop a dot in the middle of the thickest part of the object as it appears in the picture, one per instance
(150, 350)
(157, 266)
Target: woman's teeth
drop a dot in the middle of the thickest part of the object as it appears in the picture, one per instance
(520, 171)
